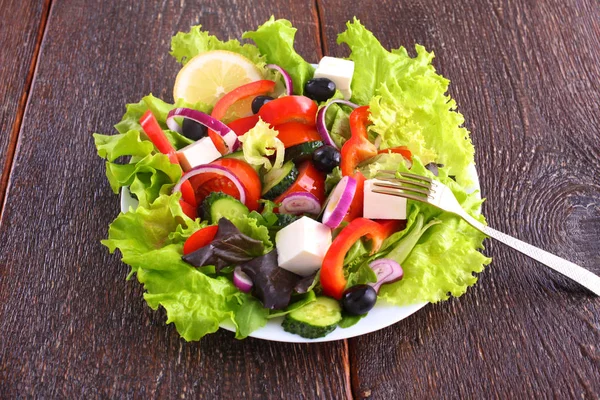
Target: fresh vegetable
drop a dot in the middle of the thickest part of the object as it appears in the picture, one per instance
(200, 239)
(332, 274)
(296, 133)
(358, 148)
(356, 207)
(193, 130)
(321, 120)
(326, 158)
(260, 143)
(339, 202)
(188, 209)
(387, 271)
(248, 90)
(225, 134)
(230, 247)
(219, 205)
(260, 101)
(272, 285)
(359, 299)
(241, 280)
(309, 180)
(302, 152)
(287, 79)
(300, 203)
(314, 320)
(320, 89)
(278, 180)
(209, 173)
(397, 150)
(242, 125)
(289, 109)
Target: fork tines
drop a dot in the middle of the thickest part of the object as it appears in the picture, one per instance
(407, 188)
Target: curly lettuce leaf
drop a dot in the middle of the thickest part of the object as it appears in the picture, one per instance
(275, 39)
(187, 45)
(260, 143)
(409, 105)
(112, 147)
(446, 257)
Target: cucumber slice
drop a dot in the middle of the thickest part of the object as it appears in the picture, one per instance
(278, 180)
(302, 152)
(218, 205)
(314, 320)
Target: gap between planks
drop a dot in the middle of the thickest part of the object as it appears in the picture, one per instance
(23, 101)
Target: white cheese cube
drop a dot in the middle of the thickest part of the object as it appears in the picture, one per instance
(201, 152)
(302, 245)
(340, 71)
(382, 206)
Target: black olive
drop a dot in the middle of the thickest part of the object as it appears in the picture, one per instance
(260, 101)
(319, 89)
(326, 158)
(359, 299)
(193, 130)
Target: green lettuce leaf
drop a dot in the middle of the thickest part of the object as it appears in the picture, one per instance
(112, 147)
(187, 45)
(408, 102)
(446, 257)
(250, 317)
(260, 143)
(275, 40)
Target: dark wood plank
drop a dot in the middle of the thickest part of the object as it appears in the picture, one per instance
(526, 76)
(20, 37)
(71, 326)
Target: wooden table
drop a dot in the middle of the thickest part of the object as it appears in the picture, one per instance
(526, 75)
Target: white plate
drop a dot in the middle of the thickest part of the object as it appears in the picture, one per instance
(381, 316)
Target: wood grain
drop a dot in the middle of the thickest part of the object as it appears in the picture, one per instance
(526, 76)
(21, 34)
(71, 326)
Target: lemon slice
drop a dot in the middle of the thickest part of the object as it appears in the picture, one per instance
(209, 76)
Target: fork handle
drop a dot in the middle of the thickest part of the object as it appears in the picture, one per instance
(580, 275)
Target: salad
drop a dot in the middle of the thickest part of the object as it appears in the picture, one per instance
(254, 190)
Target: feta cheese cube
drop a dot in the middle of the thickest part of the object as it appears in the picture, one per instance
(382, 206)
(340, 71)
(201, 152)
(302, 245)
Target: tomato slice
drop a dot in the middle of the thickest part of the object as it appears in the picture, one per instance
(289, 109)
(188, 209)
(293, 133)
(208, 183)
(242, 125)
(242, 92)
(403, 150)
(309, 180)
(200, 239)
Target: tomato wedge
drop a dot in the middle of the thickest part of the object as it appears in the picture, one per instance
(157, 136)
(293, 133)
(200, 239)
(403, 150)
(242, 92)
(309, 180)
(207, 183)
(289, 109)
(242, 125)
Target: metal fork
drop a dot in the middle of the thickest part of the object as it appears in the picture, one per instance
(430, 191)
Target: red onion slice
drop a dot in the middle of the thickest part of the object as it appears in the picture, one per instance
(322, 127)
(228, 135)
(300, 203)
(241, 280)
(339, 202)
(212, 169)
(287, 79)
(387, 271)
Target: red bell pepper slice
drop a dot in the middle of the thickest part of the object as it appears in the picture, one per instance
(242, 92)
(157, 136)
(242, 125)
(403, 150)
(188, 209)
(358, 147)
(356, 207)
(333, 280)
(200, 239)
